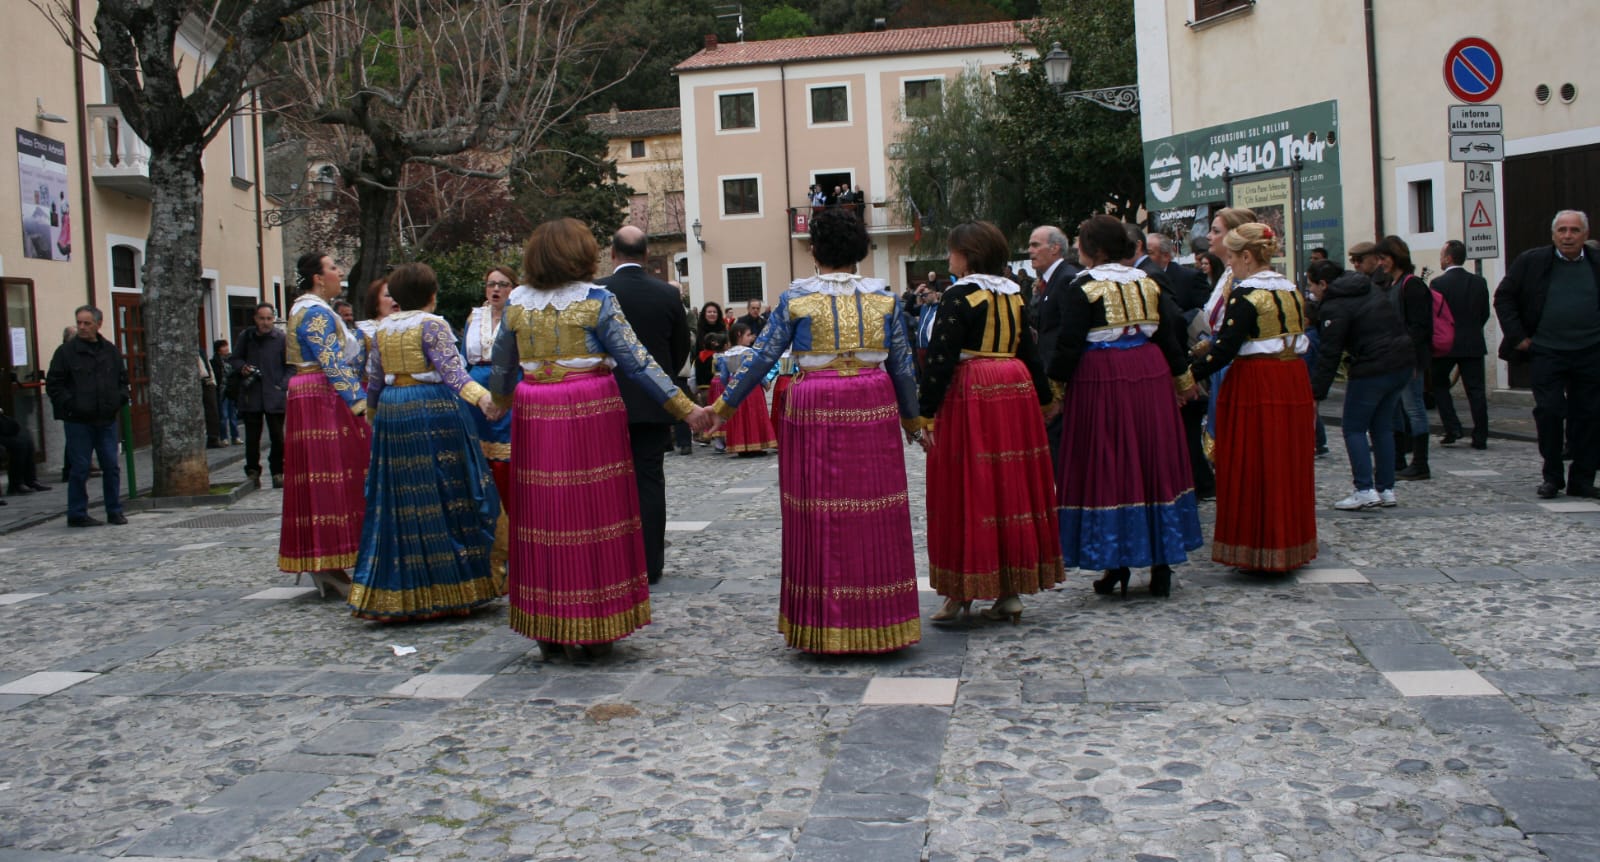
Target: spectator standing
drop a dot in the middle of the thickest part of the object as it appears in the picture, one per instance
(1411, 298)
(227, 408)
(1467, 296)
(753, 317)
(208, 401)
(88, 385)
(263, 390)
(22, 473)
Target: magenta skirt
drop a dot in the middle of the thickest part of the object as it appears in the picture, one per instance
(849, 575)
(326, 449)
(577, 573)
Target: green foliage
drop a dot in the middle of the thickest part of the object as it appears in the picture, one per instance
(570, 176)
(784, 22)
(1017, 153)
(461, 270)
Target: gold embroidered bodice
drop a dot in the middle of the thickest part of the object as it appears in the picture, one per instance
(841, 324)
(1130, 304)
(549, 333)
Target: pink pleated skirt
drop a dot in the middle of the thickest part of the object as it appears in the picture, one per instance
(577, 573)
(849, 576)
(326, 449)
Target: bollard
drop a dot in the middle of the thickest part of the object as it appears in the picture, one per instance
(127, 450)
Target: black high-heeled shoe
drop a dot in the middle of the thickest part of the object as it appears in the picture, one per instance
(1161, 581)
(1107, 585)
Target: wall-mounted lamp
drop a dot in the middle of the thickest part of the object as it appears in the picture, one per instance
(697, 227)
(44, 116)
(1058, 68)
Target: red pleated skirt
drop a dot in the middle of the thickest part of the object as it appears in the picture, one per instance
(750, 428)
(992, 527)
(1266, 481)
(849, 574)
(577, 573)
(326, 449)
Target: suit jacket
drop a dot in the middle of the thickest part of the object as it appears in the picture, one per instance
(654, 310)
(1519, 300)
(1146, 264)
(1468, 298)
(1047, 310)
(1190, 287)
(756, 323)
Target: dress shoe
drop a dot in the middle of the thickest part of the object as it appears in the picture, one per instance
(654, 579)
(119, 519)
(277, 480)
(685, 450)
(1480, 445)
(1548, 490)
(1449, 438)
(952, 610)
(1588, 491)
(85, 521)
(1009, 607)
(35, 486)
(18, 490)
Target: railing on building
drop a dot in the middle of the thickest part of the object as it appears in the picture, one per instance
(118, 158)
(882, 217)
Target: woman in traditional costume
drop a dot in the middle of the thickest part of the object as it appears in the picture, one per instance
(1225, 220)
(749, 431)
(992, 528)
(849, 576)
(1126, 490)
(494, 435)
(326, 440)
(1266, 419)
(578, 574)
(431, 504)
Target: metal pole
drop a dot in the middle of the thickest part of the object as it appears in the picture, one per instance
(127, 450)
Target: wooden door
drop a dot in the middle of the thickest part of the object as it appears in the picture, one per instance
(22, 369)
(128, 314)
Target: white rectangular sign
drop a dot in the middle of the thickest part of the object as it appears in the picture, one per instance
(1480, 176)
(1477, 148)
(1475, 120)
(1480, 222)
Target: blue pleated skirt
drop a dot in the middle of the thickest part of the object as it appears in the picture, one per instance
(431, 510)
(495, 437)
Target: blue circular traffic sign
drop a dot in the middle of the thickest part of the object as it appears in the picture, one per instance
(1472, 70)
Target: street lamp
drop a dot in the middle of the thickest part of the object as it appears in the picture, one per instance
(697, 227)
(1058, 65)
(323, 186)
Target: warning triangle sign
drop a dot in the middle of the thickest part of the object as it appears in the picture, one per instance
(1480, 217)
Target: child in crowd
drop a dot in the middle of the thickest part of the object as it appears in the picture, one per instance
(749, 432)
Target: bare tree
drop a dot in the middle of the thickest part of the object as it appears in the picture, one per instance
(177, 111)
(460, 87)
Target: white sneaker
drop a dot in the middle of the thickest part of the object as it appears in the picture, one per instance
(1367, 499)
(1386, 499)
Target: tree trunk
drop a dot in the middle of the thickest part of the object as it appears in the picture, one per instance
(172, 298)
(377, 207)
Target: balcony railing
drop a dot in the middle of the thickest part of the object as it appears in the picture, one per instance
(882, 217)
(118, 158)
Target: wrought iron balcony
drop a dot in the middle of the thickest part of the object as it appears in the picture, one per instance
(118, 158)
(882, 218)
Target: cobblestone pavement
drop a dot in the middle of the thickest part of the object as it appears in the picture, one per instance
(1429, 689)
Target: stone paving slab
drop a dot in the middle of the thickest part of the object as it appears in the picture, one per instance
(1244, 718)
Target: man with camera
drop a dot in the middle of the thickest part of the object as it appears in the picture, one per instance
(259, 384)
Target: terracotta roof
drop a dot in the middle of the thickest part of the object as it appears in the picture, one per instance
(636, 124)
(920, 40)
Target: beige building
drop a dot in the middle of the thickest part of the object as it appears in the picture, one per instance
(648, 149)
(74, 233)
(764, 121)
(1365, 103)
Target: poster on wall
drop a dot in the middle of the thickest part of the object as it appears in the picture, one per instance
(1272, 199)
(46, 215)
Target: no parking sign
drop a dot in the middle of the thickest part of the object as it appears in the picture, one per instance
(1472, 70)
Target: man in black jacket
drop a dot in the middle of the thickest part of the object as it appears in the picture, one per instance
(88, 384)
(1549, 310)
(263, 391)
(655, 311)
(1047, 246)
(1467, 296)
(1190, 289)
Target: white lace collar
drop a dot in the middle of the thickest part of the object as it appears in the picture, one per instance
(994, 283)
(1116, 272)
(839, 284)
(307, 299)
(405, 321)
(1266, 280)
(561, 297)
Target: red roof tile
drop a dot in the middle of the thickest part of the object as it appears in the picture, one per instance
(920, 40)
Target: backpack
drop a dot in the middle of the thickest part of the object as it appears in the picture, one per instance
(1444, 324)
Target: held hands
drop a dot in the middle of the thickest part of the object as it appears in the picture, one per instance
(1188, 395)
(491, 410)
(1052, 410)
(926, 439)
(701, 420)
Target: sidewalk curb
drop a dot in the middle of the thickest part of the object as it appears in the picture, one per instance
(148, 503)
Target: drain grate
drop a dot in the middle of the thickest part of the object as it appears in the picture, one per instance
(233, 519)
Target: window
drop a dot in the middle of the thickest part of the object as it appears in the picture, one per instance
(242, 146)
(639, 212)
(1421, 206)
(636, 149)
(830, 104)
(736, 111)
(1204, 9)
(924, 97)
(744, 283)
(125, 267)
(741, 196)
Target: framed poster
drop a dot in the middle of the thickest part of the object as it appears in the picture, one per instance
(1272, 196)
(46, 215)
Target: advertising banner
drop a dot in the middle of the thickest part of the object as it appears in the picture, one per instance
(1184, 172)
(46, 215)
(1272, 199)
